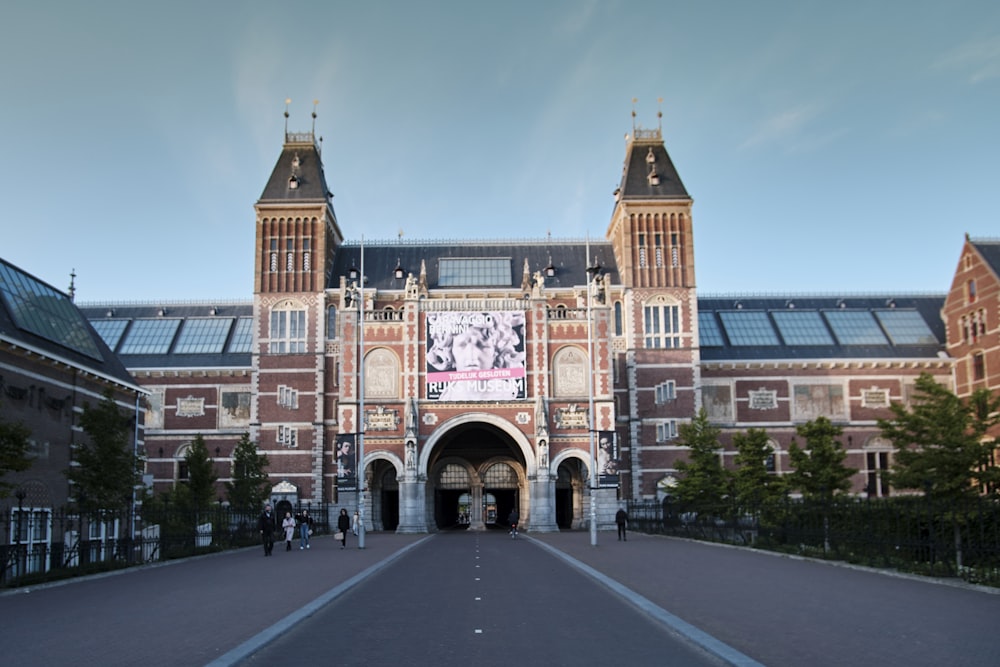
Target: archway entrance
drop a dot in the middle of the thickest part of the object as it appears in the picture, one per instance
(570, 482)
(475, 475)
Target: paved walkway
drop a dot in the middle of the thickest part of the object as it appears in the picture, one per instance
(777, 610)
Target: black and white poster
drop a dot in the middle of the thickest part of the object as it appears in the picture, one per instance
(607, 459)
(347, 462)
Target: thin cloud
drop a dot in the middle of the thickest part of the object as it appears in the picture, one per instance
(782, 128)
(977, 61)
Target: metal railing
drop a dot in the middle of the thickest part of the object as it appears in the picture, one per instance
(907, 533)
(68, 544)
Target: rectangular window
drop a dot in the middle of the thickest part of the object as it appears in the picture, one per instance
(474, 272)
(978, 366)
(666, 391)
(666, 430)
(288, 332)
(971, 290)
(286, 436)
(288, 397)
(662, 327)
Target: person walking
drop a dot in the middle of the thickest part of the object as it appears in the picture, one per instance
(288, 525)
(265, 524)
(343, 525)
(354, 522)
(305, 529)
(621, 518)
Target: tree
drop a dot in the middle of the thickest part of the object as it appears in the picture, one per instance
(108, 469)
(199, 491)
(13, 452)
(941, 441)
(704, 482)
(819, 470)
(250, 486)
(753, 486)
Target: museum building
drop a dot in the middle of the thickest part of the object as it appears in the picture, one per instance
(451, 381)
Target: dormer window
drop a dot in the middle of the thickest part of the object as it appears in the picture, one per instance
(295, 162)
(293, 182)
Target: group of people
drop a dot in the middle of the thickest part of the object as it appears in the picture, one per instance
(301, 523)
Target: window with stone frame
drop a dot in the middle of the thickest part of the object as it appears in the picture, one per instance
(288, 329)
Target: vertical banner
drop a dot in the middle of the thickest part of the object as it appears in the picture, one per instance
(476, 356)
(607, 459)
(347, 462)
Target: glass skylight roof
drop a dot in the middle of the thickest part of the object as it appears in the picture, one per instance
(110, 330)
(802, 327)
(39, 309)
(150, 336)
(709, 333)
(203, 336)
(855, 327)
(748, 327)
(243, 336)
(474, 272)
(906, 327)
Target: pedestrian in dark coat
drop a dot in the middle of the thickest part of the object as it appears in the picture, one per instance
(343, 525)
(621, 518)
(265, 524)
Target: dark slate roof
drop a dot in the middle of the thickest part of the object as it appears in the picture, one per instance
(636, 183)
(63, 333)
(990, 250)
(569, 257)
(300, 157)
(925, 307)
(131, 313)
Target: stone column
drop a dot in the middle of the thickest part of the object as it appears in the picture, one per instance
(476, 508)
(412, 505)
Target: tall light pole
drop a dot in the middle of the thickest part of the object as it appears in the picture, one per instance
(592, 272)
(360, 467)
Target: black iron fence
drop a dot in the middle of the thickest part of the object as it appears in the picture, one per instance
(912, 534)
(39, 545)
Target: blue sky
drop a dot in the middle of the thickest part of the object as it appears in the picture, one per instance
(829, 148)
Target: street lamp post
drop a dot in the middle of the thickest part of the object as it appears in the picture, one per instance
(592, 272)
(360, 467)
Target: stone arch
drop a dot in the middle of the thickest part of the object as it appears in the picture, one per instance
(520, 440)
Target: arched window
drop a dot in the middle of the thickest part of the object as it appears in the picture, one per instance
(662, 323)
(288, 328)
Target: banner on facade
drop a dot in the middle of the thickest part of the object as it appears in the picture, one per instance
(347, 462)
(607, 459)
(476, 356)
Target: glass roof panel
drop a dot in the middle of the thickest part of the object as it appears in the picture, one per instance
(906, 327)
(802, 327)
(242, 336)
(203, 335)
(45, 312)
(474, 271)
(855, 327)
(150, 336)
(110, 330)
(709, 333)
(748, 327)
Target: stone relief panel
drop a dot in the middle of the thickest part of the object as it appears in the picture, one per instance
(154, 409)
(569, 372)
(382, 374)
(810, 401)
(235, 412)
(718, 402)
